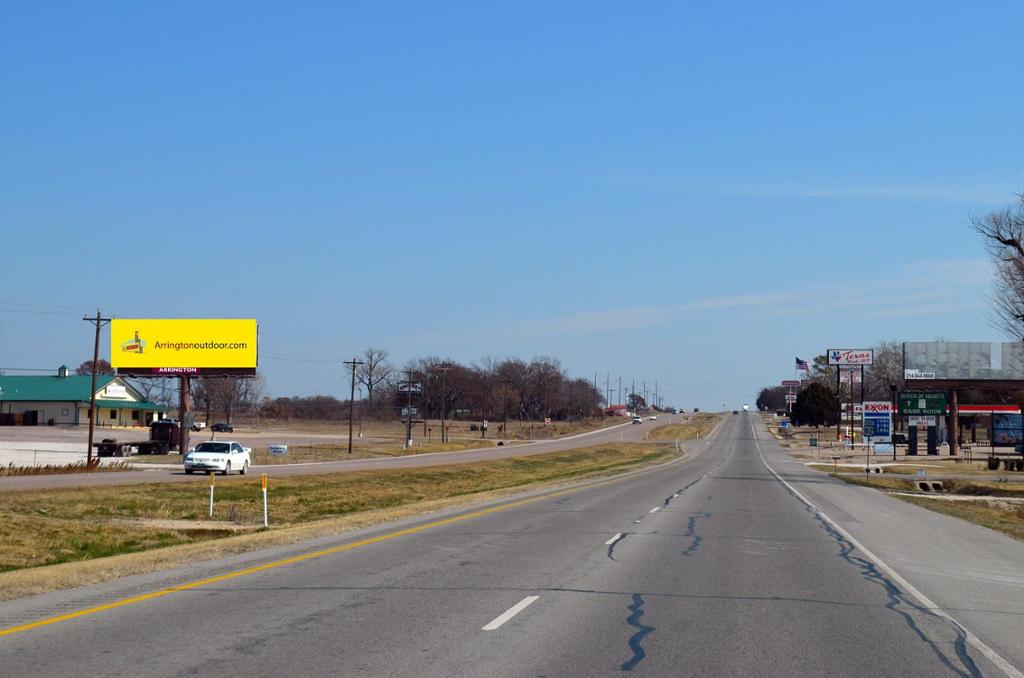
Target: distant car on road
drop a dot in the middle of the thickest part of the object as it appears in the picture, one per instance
(638, 420)
(223, 456)
(222, 428)
(653, 417)
(198, 425)
(735, 411)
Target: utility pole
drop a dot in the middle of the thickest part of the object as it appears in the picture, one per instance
(619, 398)
(352, 399)
(444, 370)
(99, 321)
(408, 409)
(607, 390)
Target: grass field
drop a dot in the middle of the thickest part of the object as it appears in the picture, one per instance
(40, 527)
(996, 515)
(697, 426)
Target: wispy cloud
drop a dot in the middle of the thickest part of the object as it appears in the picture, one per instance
(994, 192)
(919, 287)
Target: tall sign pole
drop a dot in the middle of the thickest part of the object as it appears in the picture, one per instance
(444, 370)
(99, 322)
(352, 399)
(408, 409)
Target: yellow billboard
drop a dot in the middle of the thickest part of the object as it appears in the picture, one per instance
(195, 346)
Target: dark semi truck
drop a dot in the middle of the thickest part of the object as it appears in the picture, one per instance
(164, 436)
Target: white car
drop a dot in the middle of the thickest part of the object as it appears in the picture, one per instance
(653, 417)
(223, 456)
(638, 420)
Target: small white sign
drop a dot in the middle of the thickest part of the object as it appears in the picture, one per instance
(115, 391)
(919, 420)
(277, 450)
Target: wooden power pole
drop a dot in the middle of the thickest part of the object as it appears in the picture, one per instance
(99, 321)
(352, 399)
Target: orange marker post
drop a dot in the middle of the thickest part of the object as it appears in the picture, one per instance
(263, 480)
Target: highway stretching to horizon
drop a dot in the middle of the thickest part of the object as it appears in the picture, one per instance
(734, 560)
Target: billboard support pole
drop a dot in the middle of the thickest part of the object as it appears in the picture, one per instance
(184, 408)
(839, 399)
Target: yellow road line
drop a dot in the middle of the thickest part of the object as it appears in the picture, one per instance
(297, 559)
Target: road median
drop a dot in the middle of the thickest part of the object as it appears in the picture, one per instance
(71, 537)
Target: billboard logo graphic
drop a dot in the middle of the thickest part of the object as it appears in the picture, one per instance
(847, 356)
(135, 345)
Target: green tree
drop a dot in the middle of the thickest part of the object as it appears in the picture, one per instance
(815, 406)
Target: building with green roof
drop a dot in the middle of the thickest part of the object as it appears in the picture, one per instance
(63, 399)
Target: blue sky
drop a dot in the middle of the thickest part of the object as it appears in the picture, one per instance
(692, 193)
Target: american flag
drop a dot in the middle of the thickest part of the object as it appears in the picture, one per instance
(802, 365)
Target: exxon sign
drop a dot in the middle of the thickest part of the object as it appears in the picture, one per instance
(850, 356)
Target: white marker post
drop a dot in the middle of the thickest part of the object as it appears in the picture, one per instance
(211, 494)
(263, 479)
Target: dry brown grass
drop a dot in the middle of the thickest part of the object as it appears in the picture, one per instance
(76, 467)
(987, 510)
(698, 426)
(993, 514)
(45, 527)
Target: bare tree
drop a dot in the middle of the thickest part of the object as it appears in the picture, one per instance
(374, 371)
(158, 390)
(102, 367)
(1003, 233)
(885, 371)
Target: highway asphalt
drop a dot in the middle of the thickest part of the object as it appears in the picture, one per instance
(716, 565)
(621, 432)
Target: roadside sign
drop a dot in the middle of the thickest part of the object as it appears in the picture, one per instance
(277, 450)
(406, 411)
(850, 356)
(878, 421)
(547, 421)
(915, 421)
(790, 398)
(791, 383)
(410, 387)
(931, 403)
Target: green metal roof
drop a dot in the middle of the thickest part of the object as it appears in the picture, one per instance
(70, 389)
(51, 388)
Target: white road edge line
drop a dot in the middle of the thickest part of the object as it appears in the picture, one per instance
(654, 510)
(611, 541)
(509, 613)
(990, 654)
